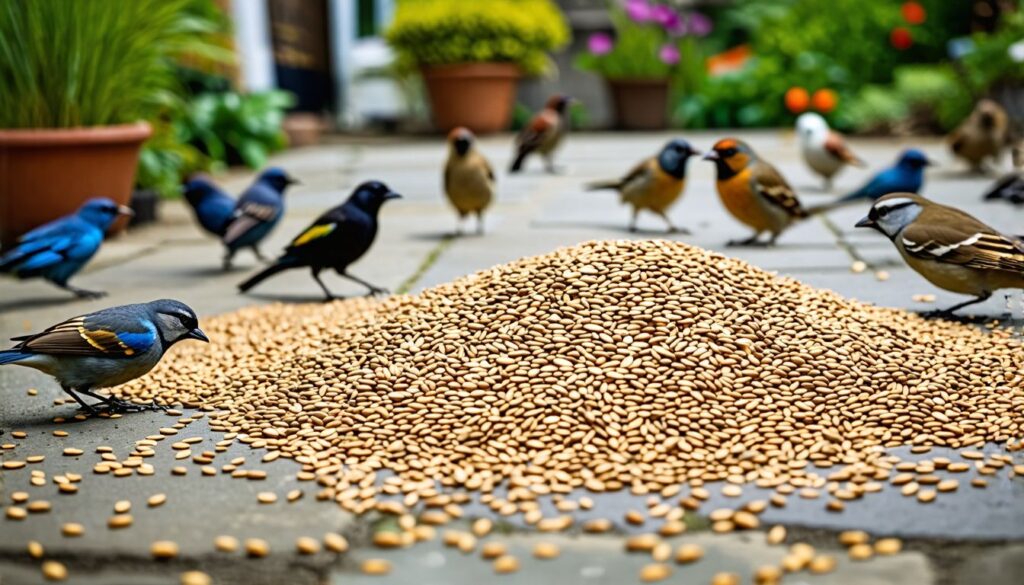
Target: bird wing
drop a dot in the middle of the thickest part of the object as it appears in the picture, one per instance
(335, 230)
(248, 215)
(960, 243)
(51, 244)
(533, 135)
(488, 169)
(836, 146)
(769, 184)
(95, 335)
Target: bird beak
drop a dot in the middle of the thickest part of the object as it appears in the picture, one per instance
(694, 152)
(866, 222)
(392, 195)
(928, 162)
(710, 155)
(125, 210)
(294, 181)
(198, 335)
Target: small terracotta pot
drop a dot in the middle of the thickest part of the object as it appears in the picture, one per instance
(640, 104)
(47, 173)
(478, 96)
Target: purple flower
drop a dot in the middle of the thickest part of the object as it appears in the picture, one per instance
(664, 15)
(700, 25)
(639, 10)
(669, 54)
(600, 44)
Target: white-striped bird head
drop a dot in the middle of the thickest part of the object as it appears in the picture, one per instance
(892, 213)
(811, 128)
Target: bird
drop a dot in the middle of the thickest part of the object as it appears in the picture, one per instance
(982, 135)
(468, 178)
(655, 183)
(753, 191)
(258, 210)
(1010, 187)
(213, 207)
(951, 249)
(823, 150)
(106, 348)
(335, 240)
(905, 176)
(56, 251)
(544, 133)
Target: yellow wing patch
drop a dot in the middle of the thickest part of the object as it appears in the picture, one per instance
(313, 233)
(104, 341)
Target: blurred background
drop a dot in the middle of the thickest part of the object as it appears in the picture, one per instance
(221, 83)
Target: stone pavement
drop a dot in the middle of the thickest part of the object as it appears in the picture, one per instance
(963, 539)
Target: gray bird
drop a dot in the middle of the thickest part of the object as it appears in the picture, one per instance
(106, 348)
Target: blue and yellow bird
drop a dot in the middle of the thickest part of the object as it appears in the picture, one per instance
(57, 250)
(258, 210)
(335, 240)
(106, 348)
(212, 206)
(655, 184)
(906, 176)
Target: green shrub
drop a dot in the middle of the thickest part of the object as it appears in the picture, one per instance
(444, 32)
(67, 63)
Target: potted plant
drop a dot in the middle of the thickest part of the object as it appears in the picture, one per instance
(80, 81)
(653, 47)
(472, 54)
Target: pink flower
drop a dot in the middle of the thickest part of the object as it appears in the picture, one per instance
(700, 25)
(639, 10)
(669, 54)
(600, 44)
(665, 16)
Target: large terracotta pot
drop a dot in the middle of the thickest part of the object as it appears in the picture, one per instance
(478, 96)
(47, 173)
(640, 104)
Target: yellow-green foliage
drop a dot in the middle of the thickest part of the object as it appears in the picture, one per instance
(443, 32)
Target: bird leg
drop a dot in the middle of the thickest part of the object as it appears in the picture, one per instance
(373, 289)
(82, 293)
(228, 256)
(479, 223)
(259, 255)
(632, 220)
(85, 406)
(549, 165)
(949, 312)
(672, 229)
(116, 405)
(751, 241)
(316, 277)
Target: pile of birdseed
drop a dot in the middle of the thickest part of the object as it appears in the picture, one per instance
(607, 365)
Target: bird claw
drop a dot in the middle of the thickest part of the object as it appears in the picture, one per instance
(376, 290)
(89, 294)
(748, 243)
(113, 405)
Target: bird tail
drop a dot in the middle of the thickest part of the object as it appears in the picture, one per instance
(602, 185)
(279, 265)
(12, 355)
(843, 201)
(517, 164)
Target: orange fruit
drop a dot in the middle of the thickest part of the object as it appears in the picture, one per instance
(797, 99)
(824, 100)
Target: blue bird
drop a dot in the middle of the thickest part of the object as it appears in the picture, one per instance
(259, 209)
(106, 348)
(906, 176)
(57, 250)
(212, 206)
(335, 240)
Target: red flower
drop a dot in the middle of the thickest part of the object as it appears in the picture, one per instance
(900, 38)
(913, 13)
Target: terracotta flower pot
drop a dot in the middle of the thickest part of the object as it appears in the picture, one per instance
(47, 173)
(640, 104)
(478, 96)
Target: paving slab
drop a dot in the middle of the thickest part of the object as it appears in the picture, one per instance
(977, 532)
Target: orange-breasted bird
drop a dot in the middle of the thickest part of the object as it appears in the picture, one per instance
(468, 178)
(753, 191)
(654, 184)
(544, 133)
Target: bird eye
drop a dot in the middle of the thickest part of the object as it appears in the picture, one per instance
(883, 212)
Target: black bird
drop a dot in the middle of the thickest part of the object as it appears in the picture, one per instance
(335, 240)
